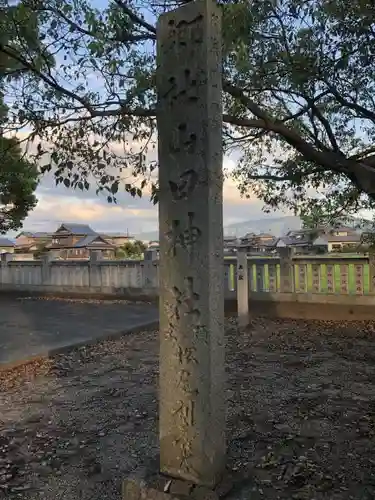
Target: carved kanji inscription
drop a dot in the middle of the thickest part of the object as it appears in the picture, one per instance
(190, 31)
(186, 301)
(316, 278)
(183, 380)
(186, 31)
(191, 288)
(186, 355)
(330, 278)
(184, 84)
(344, 278)
(359, 279)
(184, 186)
(240, 273)
(185, 412)
(302, 277)
(182, 238)
(183, 139)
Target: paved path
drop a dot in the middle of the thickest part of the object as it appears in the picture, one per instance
(32, 327)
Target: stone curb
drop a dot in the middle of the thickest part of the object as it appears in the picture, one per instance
(147, 325)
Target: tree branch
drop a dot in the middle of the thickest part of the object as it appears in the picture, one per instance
(351, 105)
(135, 18)
(363, 154)
(94, 113)
(83, 31)
(361, 174)
(332, 139)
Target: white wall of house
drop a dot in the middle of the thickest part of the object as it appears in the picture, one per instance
(6, 249)
(334, 246)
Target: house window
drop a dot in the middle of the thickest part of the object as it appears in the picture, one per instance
(56, 240)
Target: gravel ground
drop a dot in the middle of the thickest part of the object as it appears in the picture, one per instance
(301, 415)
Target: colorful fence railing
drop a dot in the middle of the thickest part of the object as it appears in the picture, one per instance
(328, 274)
(348, 275)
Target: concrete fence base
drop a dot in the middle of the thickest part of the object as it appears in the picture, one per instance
(327, 287)
(278, 305)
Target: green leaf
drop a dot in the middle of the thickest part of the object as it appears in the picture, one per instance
(297, 99)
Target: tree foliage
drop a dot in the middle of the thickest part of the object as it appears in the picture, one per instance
(131, 250)
(18, 181)
(18, 176)
(324, 216)
(298, 88)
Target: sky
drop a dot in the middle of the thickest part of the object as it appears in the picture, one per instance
(58, 204)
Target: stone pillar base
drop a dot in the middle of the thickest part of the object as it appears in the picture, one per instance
(147, 485)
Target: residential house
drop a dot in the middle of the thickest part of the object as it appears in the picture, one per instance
(117, 239)
(320, 240)
(31, 242)
(343, 237)
(75, 241)
(153, 245)
(230, 244)
(6, 246)
(258, 243)
(303, 241)
(82, 248)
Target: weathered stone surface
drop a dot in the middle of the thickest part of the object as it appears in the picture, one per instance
(192, 409)
(160, 488)
(286, 271)
(242, 289)
(134, 489)
(372, 270)
(203, 493)
(180, 487)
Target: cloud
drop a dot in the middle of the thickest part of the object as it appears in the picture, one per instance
(136, 215)
(52, 210)
(59, 204)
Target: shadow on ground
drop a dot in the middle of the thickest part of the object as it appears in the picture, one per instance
(29, 327)
(301, 415)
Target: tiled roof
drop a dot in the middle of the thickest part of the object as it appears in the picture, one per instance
(353, 237)
(260, 240)
(4, 242)
(297, 240)
(320, 241)
(38, 234)
(87, 240)
(78, 229)
(264, 235)
(309, 238)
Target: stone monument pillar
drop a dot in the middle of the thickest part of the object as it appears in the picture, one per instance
(371, 262)
(286, 270)
(242, 288)
(192, 395)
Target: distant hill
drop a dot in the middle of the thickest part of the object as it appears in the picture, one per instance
(274, 225)
(151, 236)
(277, 226)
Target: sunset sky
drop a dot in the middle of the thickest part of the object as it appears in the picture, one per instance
(59, 204)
